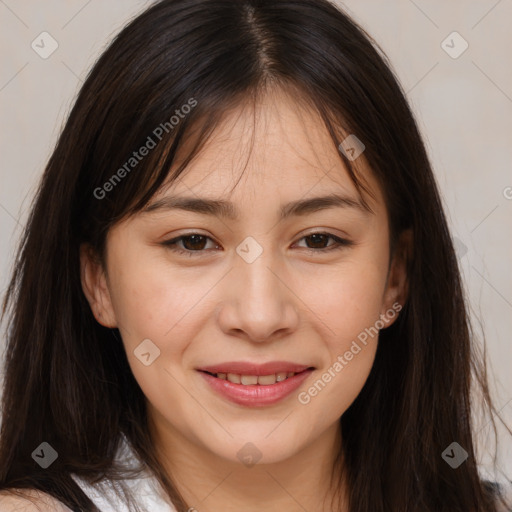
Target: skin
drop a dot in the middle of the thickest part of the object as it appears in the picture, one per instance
(289, 304)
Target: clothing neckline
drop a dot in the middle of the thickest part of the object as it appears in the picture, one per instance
(145, 489)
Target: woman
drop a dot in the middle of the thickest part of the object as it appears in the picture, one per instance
(237, 288)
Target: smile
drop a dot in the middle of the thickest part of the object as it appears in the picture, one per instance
(248, 380)
(254, 385)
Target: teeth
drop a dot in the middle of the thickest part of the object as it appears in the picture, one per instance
(251, 380)
(265, 380)
(234, 378)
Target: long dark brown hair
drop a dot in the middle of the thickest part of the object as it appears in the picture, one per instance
(67, 378)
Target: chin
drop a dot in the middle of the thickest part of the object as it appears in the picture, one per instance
(256, 446)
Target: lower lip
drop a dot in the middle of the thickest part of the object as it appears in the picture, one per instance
(256, 395)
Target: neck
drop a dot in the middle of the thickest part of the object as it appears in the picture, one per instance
(210, 483)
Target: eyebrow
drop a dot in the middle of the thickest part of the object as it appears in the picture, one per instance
(226, 209)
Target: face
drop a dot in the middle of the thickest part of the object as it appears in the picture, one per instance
(255, 321)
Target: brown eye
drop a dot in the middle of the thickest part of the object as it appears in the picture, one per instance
(191, 245)
(194, 242)
(319, 242)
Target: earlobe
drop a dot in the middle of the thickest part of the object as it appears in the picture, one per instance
(94, 286)
(397, 286)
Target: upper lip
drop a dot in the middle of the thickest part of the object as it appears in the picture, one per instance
(248, 368)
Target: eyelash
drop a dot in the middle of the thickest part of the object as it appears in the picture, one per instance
(340, 243)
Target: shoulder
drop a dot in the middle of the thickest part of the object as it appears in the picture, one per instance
(29, 500)
(503, 491)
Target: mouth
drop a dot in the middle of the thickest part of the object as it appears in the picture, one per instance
(253, 385)
(253, 380)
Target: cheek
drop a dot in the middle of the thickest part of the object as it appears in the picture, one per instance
(349, 353)
(348, 302)
(347, 298)
(151, 302)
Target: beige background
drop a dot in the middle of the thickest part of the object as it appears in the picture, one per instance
(464, 108)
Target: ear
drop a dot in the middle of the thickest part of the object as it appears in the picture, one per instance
(397, 284)
(94, 285)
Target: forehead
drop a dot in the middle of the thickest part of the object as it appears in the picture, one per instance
(274, 147)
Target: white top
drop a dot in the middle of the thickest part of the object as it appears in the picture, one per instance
(146, 489)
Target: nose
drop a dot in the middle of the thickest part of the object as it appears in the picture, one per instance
(258, 303)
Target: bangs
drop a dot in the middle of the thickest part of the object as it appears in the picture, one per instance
(176, 147)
